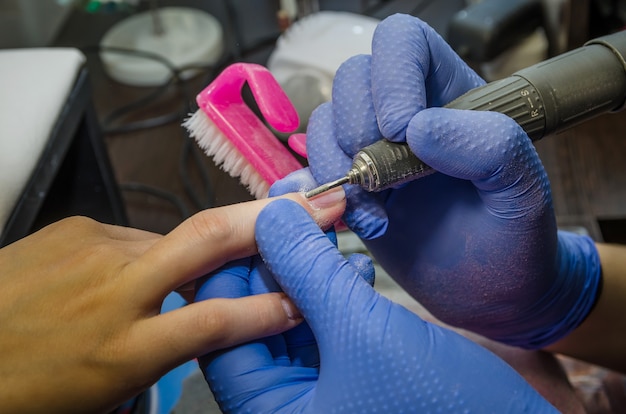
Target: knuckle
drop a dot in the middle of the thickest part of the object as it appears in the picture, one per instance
(217, 319)
(74, 225)
(210, 225)
(80, 222)
(226, 324)
(114, 354)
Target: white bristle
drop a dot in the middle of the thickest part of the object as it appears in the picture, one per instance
(225, 155)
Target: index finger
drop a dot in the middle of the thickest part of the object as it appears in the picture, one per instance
(214, 237)
(413, 68)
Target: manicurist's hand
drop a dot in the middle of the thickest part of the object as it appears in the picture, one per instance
(476, 242)
(80, 328)
(358, 352)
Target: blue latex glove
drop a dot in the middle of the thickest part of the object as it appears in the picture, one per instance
(475, 243)
(374, 355)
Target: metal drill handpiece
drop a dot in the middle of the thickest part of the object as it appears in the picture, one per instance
(386, 164)
(379, 166)
(543, 99)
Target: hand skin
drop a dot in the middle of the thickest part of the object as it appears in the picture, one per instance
(80, 329)
(601, 338)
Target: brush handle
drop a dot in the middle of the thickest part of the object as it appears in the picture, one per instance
(256, 146)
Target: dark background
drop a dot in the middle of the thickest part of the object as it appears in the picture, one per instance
(585, 163)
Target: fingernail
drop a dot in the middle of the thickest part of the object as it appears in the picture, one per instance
(328, 199)
(290, 309)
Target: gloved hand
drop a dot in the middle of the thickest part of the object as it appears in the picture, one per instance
(475, 243)
(374, 355)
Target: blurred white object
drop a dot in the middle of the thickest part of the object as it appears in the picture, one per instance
(183, 37)
(35, 84)
(309, 53)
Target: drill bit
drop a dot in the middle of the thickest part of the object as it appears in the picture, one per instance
(325, 187)
(379, 166)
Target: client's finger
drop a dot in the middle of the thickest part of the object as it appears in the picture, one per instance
(214, 237)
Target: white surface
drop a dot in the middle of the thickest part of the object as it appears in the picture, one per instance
(319, 43)
(190, 37)
(35, 84)
(309, 53)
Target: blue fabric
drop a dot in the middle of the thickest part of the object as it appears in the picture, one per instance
(358, 351)
(476, 243)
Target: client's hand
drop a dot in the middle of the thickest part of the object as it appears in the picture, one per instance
(80, 329)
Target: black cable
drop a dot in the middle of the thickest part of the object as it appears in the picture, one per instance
(189, 148)
(140, 103)
(154, 122)
(133, 52)
(177, 80)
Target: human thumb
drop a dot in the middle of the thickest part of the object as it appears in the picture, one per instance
(325, 286)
